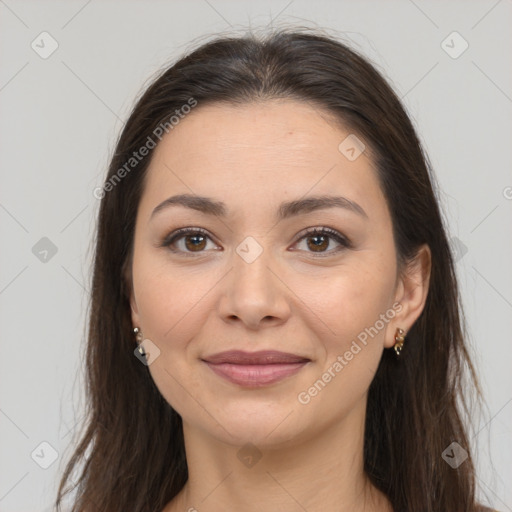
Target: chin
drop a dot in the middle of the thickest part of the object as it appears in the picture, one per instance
(261, 425)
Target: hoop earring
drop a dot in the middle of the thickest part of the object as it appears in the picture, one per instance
(399, 341)
(139, 337)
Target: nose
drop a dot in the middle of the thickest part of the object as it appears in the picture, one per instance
(254, 294)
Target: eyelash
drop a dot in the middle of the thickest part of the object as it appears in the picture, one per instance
(324, 231)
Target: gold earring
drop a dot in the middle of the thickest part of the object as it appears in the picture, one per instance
(399, 340)
(139, 337)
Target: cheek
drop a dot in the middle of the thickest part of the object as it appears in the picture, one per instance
(355, 304)
(168, 299)
(172, 306)
(352, 306)
(349, 299)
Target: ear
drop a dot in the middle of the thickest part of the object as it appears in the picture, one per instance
(411, 293)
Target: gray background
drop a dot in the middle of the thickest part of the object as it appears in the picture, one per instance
(60, 117)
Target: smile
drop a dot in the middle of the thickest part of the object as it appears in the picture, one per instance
(255, 369)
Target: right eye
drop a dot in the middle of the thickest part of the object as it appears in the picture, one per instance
(194, 240)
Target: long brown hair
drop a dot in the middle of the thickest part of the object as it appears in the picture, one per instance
(132, 450)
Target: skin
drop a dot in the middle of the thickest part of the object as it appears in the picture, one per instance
(253, 157)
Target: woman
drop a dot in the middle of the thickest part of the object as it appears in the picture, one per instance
(271, 249)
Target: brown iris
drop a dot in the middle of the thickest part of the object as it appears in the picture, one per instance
(199, 246)
(316, 245)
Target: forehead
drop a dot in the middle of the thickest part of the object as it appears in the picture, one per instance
(270, 150)
(259, 129)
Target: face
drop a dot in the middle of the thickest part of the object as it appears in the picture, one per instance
(269, 269)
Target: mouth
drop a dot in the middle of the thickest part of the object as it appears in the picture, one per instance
(255, 369)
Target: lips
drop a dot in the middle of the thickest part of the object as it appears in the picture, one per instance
(255, 369)
(261, 357)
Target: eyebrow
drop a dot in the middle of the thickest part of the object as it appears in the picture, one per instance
(286, 209)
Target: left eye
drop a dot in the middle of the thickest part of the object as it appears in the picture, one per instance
(195, 241)
(319, 239)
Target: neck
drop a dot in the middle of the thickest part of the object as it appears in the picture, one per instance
(323, 473)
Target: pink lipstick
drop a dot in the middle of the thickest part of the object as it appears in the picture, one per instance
(255, 369)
